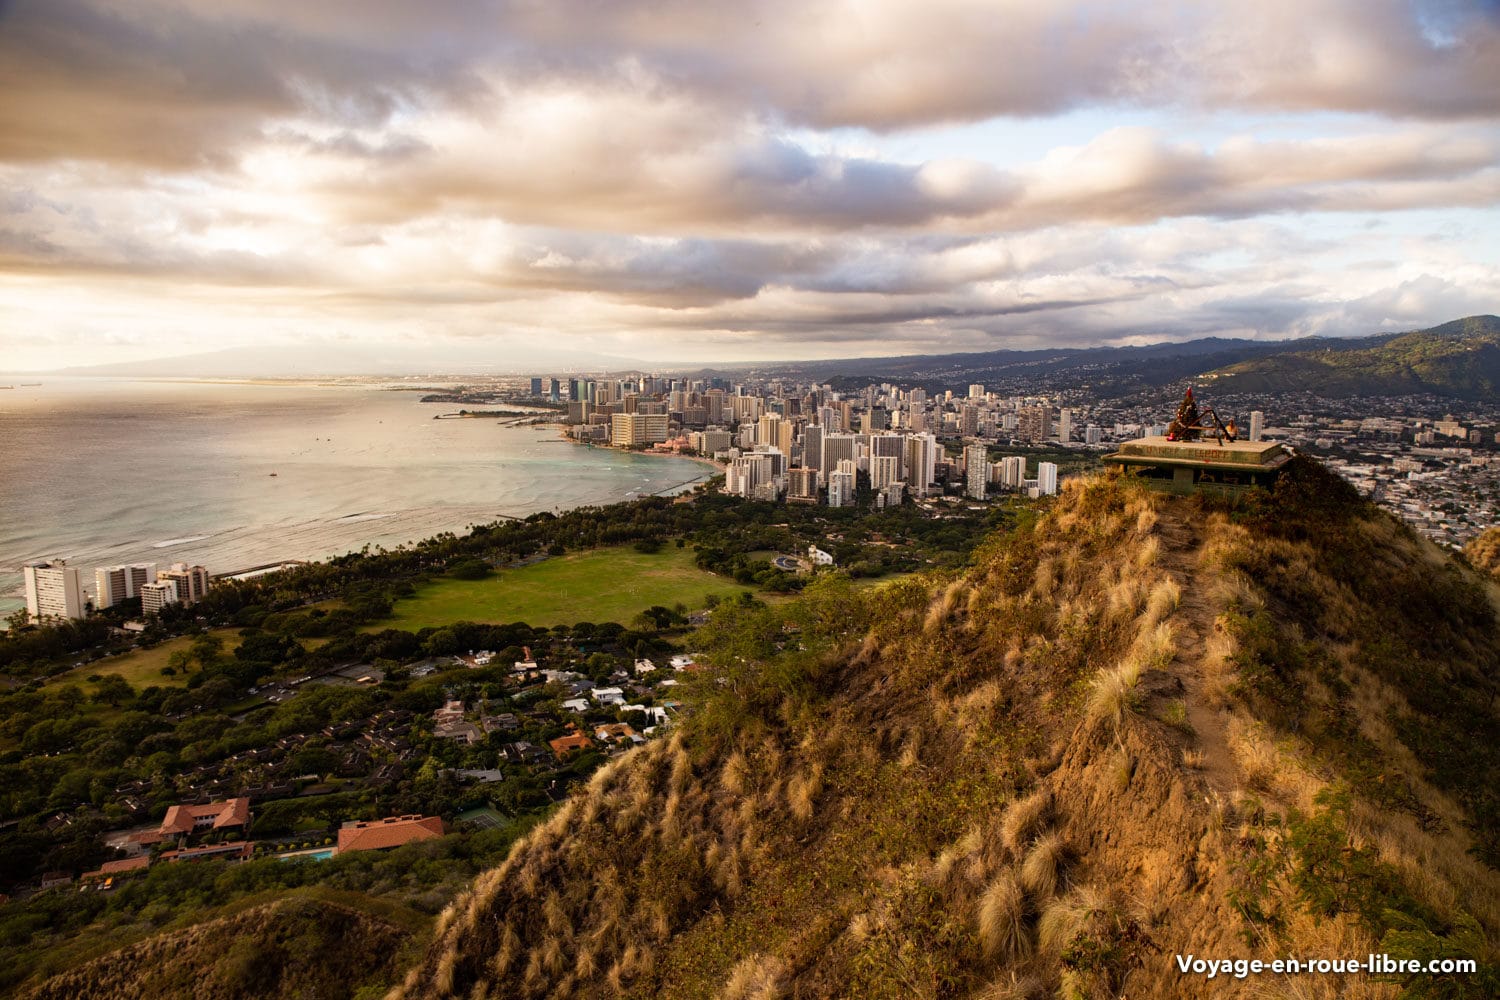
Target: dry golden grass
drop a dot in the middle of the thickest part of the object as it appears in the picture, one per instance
(1042, 870)
(1024, 819)
(1064, 919)
(1002, 911)
(759, 977)
(1112, 692)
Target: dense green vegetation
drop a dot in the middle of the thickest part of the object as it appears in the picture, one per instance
(1460, 359)
(99, 733)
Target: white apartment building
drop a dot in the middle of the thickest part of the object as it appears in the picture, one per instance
(1046, 479)
(113, 584)
(634, 429)
(157, 595)
(53, 590)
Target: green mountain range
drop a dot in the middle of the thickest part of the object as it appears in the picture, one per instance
(1460, 359)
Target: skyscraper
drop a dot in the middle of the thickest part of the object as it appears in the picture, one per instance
(53, 590)
(192, 581)
(1065, 425)
(113, 584)
(976, 470)
(1257, 424)
(1046, 479)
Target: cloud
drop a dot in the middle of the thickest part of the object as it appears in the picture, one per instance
(762, 177)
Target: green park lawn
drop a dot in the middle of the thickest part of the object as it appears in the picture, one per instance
(141, 667)
(603, 585)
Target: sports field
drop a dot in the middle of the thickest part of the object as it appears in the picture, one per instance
(603, 585)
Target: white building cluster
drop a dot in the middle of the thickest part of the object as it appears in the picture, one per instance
(55, 590)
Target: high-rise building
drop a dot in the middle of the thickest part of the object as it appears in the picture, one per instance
(968, 421)
(53, 590)
(536, 387)
(113, 584)
(1257, 424)
(1065, 425)
(157, 595)
(1034, 423)
(1012, 471)
(1046, 479)
(802, 485)
(554, 390)
(192, 581)
(976, 470)
(841, 489)
(891, 445)
(836, 448)
(751, 475)
(812, 446)
(921, 462)
(629, 430)
(976, 391)
(1093, 434)
(884, 470)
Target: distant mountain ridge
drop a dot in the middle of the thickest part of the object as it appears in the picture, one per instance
(1460, 359)
(1457, 359)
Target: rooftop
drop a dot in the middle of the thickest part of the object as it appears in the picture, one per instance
(393, 831)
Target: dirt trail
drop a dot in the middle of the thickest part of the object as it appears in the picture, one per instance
(1195, 616)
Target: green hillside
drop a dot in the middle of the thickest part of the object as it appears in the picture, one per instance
(1460, 359)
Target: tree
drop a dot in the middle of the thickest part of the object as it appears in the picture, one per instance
(112, 690)
(207, 648)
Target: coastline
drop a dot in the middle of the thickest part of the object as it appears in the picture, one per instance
(462, 519)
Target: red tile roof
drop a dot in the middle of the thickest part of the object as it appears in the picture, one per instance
(184, 819)
(393, 831)
(567, 744)
(119, 867)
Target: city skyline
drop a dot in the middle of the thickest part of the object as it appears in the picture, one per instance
(666, 182)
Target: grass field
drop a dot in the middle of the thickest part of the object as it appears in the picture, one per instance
(141, 667)
(604, 585)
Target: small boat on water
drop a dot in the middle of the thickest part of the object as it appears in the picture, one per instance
(273, 475)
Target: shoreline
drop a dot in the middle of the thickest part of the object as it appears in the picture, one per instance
(14, 599)
(562, 433)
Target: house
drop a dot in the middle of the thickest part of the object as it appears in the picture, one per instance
(123, 867)
(523, 667)
(505, 721)
(684, 662)
(818, 557)
(574, 741)
(644, 667)
(483, 658)
(451, 712)
(460, 732)
(609, 695)
(618, 734)
(55, 880)
(522, 752)
(239, 850)
(186, 821)
(393, 831)
(579, 705)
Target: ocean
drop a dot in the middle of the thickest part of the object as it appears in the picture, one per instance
(235, 475)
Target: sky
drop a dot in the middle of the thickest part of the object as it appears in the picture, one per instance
(685, 181)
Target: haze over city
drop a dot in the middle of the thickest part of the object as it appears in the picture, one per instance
(674, 181)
